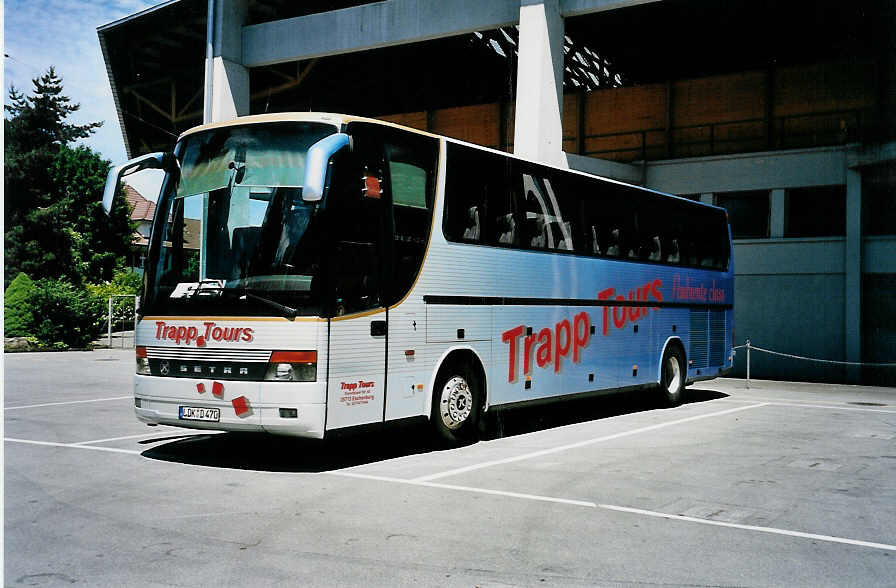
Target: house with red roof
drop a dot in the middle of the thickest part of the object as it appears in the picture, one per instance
(142, 212)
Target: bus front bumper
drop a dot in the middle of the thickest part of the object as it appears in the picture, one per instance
(284, 408)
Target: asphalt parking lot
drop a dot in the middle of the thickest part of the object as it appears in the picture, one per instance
(779, 485)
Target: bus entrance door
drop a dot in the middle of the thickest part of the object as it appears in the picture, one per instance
(357, 331)
(357, 370)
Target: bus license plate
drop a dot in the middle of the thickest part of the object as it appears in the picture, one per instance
(197, 413)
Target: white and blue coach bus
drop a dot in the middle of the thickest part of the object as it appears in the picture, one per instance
(312, 272)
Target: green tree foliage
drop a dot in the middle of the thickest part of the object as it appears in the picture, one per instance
(34, 132)
(56, 227)
(124, 282)
(17, 316)
(69, 316)
(58, 314)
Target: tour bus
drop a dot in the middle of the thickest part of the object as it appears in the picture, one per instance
(311, 272)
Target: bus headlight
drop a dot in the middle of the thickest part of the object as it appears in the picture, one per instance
(292, 366)
(142, 361)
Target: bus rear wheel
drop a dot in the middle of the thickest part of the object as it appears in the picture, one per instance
(673, 376)
(455, 405)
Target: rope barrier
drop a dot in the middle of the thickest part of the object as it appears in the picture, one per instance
(750, 347)
(857, 363)
(792, 356)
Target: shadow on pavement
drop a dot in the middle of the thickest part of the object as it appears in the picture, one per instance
(262, 452)
(272, 453)
(519, 421)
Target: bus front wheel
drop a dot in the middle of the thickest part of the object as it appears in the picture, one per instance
(674, 374)
(455, 404)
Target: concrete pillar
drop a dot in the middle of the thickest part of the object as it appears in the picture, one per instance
(538, 131)
(852, 299)
(226, 78)
(778, 213)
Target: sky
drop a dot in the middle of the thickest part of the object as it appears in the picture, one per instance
(62, 33)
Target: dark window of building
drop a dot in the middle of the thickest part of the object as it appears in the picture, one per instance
(748, 213)
(816, 212)
(878, 328)
(879, 199)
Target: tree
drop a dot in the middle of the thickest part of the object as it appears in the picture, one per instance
(68, 316)
(56, 227)
(17, 315)
(97, 242)
(34, 132)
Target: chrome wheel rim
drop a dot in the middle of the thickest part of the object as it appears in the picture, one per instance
(673, 375)
(456, 403)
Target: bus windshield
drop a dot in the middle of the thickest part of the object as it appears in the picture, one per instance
(232, 234)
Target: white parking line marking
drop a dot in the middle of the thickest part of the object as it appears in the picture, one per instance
(827, 406)
(773, 530)
(74, 445)
(153, 434)
(69, 402)
(585, 443)
(624, 509)
(537, 497)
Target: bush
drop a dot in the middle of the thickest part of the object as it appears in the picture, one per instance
(65, 316)
(123, 282)
(17, 307)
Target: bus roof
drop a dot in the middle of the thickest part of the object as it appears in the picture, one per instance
(322, 117)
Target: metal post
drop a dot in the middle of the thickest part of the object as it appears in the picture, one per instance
(748, 364)
(110, 322)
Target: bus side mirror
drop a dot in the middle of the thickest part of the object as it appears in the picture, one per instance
(316, 163)
(158, 160)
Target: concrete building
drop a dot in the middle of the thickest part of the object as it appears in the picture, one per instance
(783, 113)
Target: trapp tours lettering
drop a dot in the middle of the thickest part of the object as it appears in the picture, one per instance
(623, 314)
(354, 393)
(212, 332)
(550, 346)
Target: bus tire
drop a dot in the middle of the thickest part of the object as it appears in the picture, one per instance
(455, 404)
(673, 373)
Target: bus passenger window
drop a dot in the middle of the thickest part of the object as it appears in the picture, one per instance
(595, 243)
(692, 253)
(674, 254)
(557, 232)
(535, 230)
(506, 229)
(473, 229)
(614, 249)
(656, 253)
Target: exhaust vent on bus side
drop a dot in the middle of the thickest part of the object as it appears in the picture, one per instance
(699, 345)
(717, 337)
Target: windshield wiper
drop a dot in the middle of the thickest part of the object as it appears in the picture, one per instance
(287, 311)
